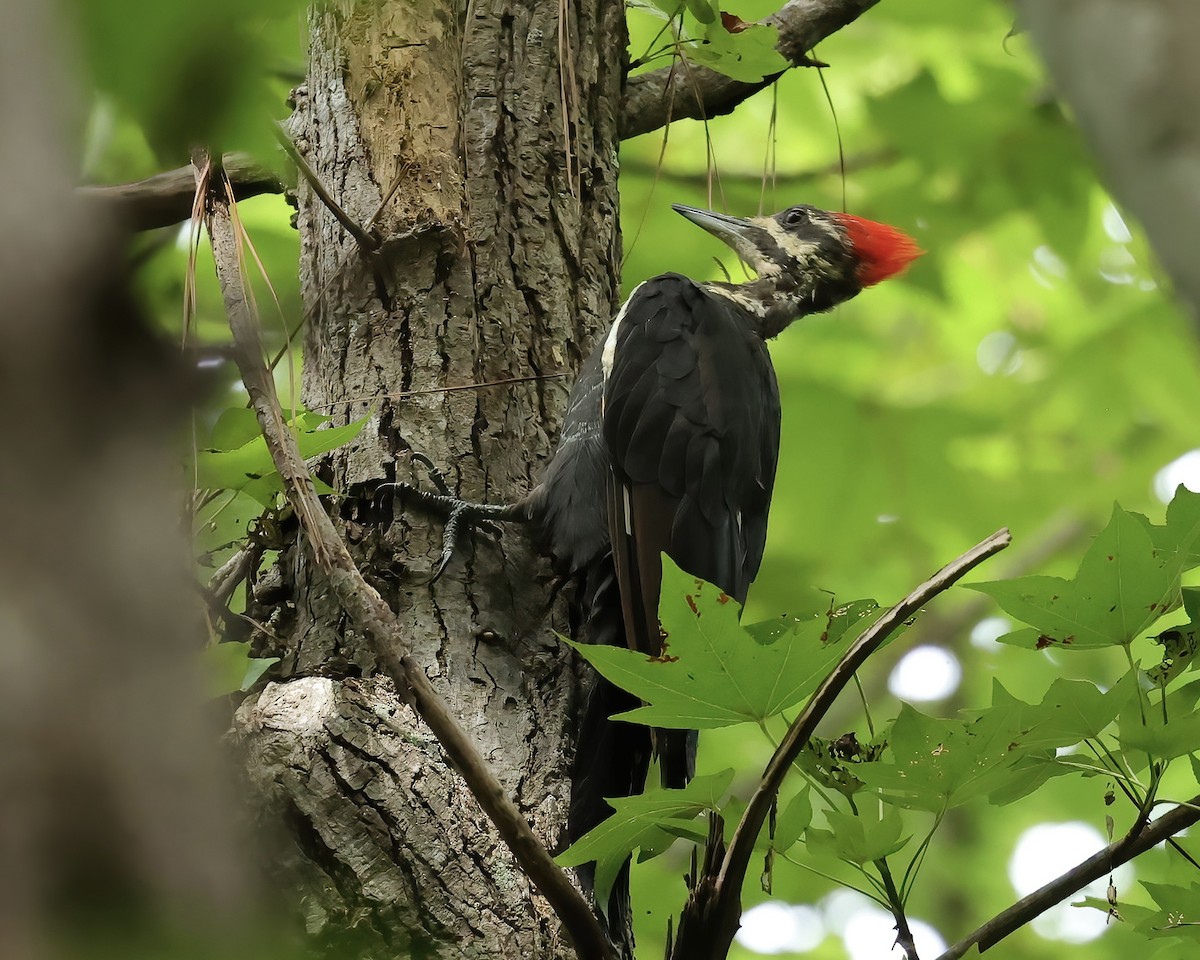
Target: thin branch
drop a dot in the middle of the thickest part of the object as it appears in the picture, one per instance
(319, 299)
(369, 238)
(712, 915)
(1140, 838)
(742, 843)
(166, 198)
(654, 99)
(1060, 533)
(904, 935)
(457, 388)
(363, 604)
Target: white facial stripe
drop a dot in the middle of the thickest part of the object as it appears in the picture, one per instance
(751, 304)
(789, 243)
(610, 342)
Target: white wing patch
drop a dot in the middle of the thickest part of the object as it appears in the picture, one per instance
(610, 342)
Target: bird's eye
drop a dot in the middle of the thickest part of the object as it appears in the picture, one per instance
(795, 217)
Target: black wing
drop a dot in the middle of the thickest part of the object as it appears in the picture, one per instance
(690, 421)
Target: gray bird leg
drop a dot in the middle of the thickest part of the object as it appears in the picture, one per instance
(457, 511)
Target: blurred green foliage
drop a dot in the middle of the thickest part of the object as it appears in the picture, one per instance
(1028, 371)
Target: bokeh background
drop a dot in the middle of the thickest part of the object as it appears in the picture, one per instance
(1029, 370)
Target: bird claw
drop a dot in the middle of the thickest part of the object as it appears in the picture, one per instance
(435, 474)
(456, 511)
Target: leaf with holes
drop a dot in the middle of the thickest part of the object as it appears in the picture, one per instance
(934, 764)
(1125, 582)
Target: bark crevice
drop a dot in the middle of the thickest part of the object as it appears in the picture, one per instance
(493, 270)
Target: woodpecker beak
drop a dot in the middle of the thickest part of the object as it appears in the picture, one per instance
(741, 234)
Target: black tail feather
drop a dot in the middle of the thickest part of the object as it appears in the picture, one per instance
(611, 760)
(612, 757)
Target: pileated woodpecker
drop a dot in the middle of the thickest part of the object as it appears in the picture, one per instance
(669, 444)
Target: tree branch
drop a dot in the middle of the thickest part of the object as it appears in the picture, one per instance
(712, 915)
(166, 198)
(362, 603)
(683, 92)
(1140, 838)
(904, 936)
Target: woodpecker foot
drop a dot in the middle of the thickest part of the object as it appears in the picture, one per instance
(456, 511)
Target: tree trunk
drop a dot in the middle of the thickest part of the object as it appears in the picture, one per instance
(486, 134)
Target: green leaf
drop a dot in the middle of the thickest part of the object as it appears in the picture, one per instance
(1181, 643)
(1129, 912)
(703, 10)
(937, 764)
(649, 822)
(833, 763)
(1181, 534)
(1179, 911)
(222, 524)
(1075, 710)
(1125, 582)
(748, 56)
(234, 427)
(250, 466)
(712, 672)
(1161, 740)
(230, 668)
(862, 838)
(662, 9)
(793, 821)
(840, 619)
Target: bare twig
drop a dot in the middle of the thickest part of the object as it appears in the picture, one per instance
(1141, 837)
(712, 915)
(1059, 534)
(166, 198)
(368, 238)
(457, 388)
(650, 98)
(366, 607)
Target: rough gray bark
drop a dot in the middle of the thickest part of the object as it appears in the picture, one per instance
(501, 260)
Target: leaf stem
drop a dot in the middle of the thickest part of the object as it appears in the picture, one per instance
(832, 879)
(866, 707)
(914, 865)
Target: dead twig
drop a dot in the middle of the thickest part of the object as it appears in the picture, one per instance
(362, 602)
(368, 239)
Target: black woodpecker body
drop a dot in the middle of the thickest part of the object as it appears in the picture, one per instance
(670, 444)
